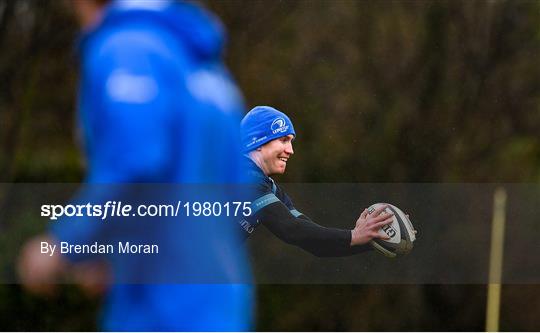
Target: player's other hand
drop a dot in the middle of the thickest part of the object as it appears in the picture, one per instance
(408, 218)
(368, 225)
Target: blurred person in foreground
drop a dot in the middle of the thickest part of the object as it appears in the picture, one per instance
(154, 100)
(267, 142)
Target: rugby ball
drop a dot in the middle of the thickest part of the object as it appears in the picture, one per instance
(400, 231)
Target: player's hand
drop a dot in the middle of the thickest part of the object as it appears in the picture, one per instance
(368, 225)
(38, 272)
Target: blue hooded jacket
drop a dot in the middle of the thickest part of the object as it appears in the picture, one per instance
(157, 105)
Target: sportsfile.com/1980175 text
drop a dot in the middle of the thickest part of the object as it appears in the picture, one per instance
(119, 209)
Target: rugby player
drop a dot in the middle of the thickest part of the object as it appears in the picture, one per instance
(154, 96)
(267, 140)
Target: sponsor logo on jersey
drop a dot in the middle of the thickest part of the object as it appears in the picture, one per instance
(247, 226)
(214, 88)
(125, 87)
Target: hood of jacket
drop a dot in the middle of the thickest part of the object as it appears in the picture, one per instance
(195, 27)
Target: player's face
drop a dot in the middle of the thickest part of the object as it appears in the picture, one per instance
(276, 153)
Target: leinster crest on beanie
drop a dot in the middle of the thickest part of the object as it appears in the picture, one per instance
(263, 124)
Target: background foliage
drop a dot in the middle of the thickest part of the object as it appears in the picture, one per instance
(381, 91)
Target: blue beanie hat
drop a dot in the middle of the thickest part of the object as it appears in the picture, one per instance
(263, 124)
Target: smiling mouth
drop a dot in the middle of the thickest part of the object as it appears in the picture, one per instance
(283, 159)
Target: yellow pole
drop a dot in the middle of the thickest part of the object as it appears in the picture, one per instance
(496, 260)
